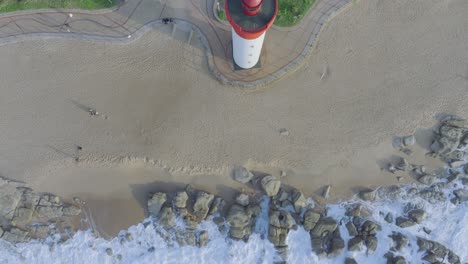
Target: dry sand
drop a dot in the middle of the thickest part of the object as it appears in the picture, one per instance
(394, 67)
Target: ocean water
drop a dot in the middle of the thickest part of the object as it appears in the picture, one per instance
(449, 225)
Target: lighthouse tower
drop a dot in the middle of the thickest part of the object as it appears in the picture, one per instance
(250, 19)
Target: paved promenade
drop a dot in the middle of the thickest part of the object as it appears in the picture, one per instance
(284, 49)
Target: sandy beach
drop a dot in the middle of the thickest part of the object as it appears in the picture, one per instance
(393, 67)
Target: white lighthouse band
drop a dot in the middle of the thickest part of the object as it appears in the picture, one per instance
(246, 52)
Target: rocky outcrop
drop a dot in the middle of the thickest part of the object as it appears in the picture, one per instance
(25, 214)
(450, 137)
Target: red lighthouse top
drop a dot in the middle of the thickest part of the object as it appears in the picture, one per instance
(251, 7)
(251, 18)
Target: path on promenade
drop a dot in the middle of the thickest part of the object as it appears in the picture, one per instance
(285, 48)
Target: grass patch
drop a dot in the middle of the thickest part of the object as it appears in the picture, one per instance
(291, 12)
(16, 5)
(222, 14)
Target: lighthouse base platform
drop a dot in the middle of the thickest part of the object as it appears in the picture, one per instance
(239, 68)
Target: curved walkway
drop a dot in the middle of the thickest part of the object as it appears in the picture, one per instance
(284, 48)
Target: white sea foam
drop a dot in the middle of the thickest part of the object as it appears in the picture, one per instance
(449, 225)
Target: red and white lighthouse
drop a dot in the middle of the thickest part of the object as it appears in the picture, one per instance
(250, 19)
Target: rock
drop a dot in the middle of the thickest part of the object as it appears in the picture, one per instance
(202, 205)
(404, 222)
(49, 200)
(453, 258)
(310, 219)
(402, 164)
(409, 140)
(71, 210)
(156, 202)
(352, 231)
(420, 170)
(389, 218)
(242, 175)
(453, 176)
(187, 238)
(282, 195)
(284, 132)
(350, 261)
(417, 215)
(1, 231)
(458, 163)
(277, 236)
(456, 122)
(464, 181)
(270, 185)
(391, 168)
(400, 241)
(10, 196)
(427, 230)
(430, 257)
(242, 199)
(397, 260)
(371, 243)
(336, 245)
(180, 199)
(432, 196)
(217, 205)
(190, 220)
(40, 231)
(299, 200)
(407, 151)
(239, 233)
(355, 211)
(22, 216)
(49, 212)
(355, 244)
(369, 228)
(426, 245)
(427, 179)
(252, 211)
(281, 219)
(203, 238)
(237, 216)
(397, 142)
(15, 235)
(326, 191)
(323, 227)
(166, 217)
(461, 194)
(29, 199)
(109, 252)
(367, 195)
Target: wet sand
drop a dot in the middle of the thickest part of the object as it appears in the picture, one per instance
(393, 69)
